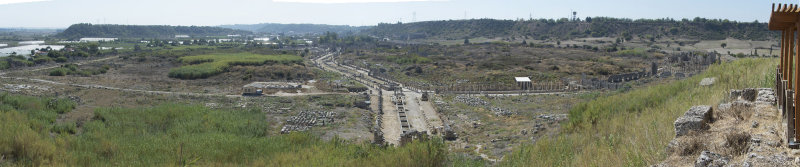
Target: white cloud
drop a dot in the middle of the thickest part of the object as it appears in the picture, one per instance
(6, 2)
(351, 1)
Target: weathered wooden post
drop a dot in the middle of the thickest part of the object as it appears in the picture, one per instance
(785, 19)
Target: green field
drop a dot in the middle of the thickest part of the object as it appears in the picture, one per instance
(633, 128)
(204, 66)
(178, 134)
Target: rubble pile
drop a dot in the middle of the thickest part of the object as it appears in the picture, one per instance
(471, 101)
(306, 119)
(501, 112)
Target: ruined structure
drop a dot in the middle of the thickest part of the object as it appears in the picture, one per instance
(627, 77)
(304, 120)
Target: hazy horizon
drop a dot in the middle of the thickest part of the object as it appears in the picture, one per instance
(62, 13)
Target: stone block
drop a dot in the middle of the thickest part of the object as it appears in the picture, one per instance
(697, 118)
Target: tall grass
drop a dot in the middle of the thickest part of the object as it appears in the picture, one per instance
(178, 134)
(204, 66)
(633, 128)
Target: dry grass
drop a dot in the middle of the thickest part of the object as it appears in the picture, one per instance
(641, 121)
(692, 146)
(737, 142)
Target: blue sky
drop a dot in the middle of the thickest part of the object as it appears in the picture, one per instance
(62, 13)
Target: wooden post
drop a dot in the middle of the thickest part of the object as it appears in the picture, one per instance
(796, 72)
(790, 126)
(783, 55)
(790, 53)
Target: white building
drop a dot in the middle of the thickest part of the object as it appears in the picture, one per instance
(524, 83)
(31, 42)
(181, 36)
(97, 39)
(3, 45)
(261, 39)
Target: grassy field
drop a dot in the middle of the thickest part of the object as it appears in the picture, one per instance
(633, 128)
(204, 66)
(176, 134)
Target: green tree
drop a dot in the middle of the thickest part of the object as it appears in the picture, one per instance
(466, 41)
(723, 45)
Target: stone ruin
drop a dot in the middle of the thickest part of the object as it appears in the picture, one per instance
(304, 120)
(471, 101)
(449, 133)
(595, 83)
(412, 135)
(696, 119)
(627, 77)
(693, 58)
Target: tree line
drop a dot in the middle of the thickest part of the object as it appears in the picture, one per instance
(541, 29)
(77, 31)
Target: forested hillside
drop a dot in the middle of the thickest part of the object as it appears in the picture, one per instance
(142, 31)
(698, 28)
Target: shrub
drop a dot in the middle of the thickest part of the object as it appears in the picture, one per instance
(61, 59)
(60, 71)
(204, 66)
(64, 127)
(19, 141)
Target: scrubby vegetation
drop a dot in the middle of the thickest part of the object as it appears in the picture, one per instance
(72, 69)
(632, 128)
(204, 66)
(176, 134)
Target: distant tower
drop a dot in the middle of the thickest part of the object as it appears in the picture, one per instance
(574, 15)
(465, 15)
(414, 18)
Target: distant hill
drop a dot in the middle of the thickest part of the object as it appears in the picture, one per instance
(698, 28)
(296, 28)
(76, 31)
